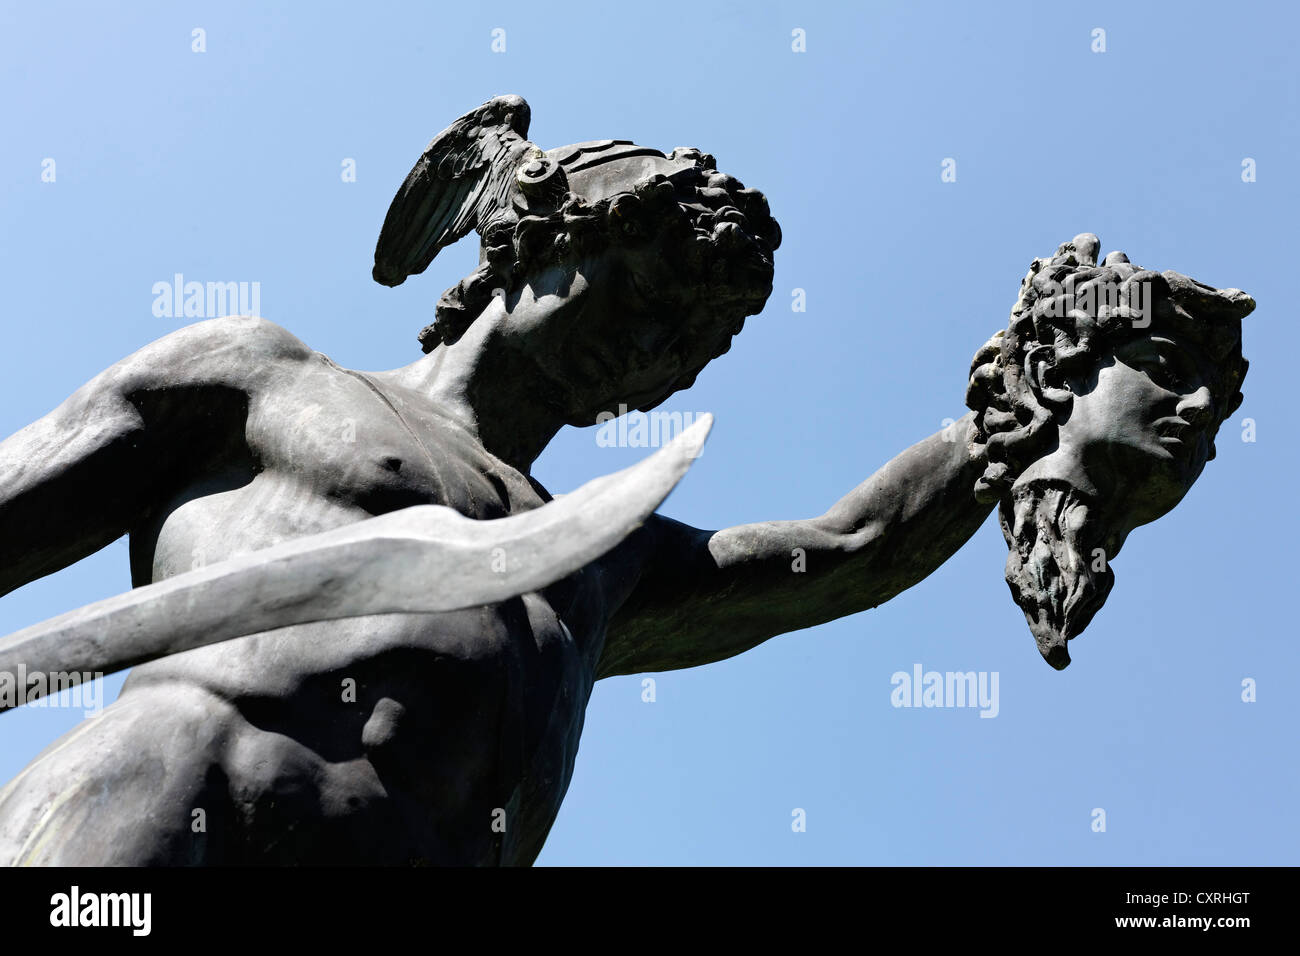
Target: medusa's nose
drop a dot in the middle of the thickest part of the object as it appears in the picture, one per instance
(1195, 408)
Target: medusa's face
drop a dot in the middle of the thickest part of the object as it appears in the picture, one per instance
(1142, 427)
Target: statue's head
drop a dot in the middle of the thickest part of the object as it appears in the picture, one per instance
(609, 273)
(1096, 411)
(624, 280)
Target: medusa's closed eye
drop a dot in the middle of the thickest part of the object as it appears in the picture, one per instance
(1164, 361)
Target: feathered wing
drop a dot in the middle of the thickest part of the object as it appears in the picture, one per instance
(462, 181)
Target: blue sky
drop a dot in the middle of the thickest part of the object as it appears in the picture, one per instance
(225, 166)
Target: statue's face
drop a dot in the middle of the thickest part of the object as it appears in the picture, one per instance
(1140, 428)
(617, 329)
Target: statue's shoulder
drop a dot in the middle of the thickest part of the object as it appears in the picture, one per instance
(245, 336)
(233, 350)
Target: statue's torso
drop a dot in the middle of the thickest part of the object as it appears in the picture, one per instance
(416, 737)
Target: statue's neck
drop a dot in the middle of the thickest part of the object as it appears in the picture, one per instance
(474, 384)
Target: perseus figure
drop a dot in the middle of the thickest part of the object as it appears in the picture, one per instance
(385, 653)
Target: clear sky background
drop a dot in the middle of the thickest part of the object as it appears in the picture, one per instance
(226, 166)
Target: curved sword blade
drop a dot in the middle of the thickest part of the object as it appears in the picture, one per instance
(426, 558)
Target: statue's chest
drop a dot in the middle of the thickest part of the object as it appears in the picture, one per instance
(350, 444)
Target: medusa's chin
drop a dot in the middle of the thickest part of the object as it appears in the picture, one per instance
(1057, 566)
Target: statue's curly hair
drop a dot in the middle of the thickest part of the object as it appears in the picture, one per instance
(719, 236)
(1012, 427)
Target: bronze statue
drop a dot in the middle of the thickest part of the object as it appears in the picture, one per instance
(390, 635)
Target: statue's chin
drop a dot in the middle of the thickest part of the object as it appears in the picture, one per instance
(1057, 568)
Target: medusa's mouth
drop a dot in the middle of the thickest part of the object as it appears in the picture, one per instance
(1174, 430)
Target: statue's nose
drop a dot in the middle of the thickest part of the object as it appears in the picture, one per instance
(1195, 408)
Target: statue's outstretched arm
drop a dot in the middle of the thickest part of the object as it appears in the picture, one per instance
(705, 596)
